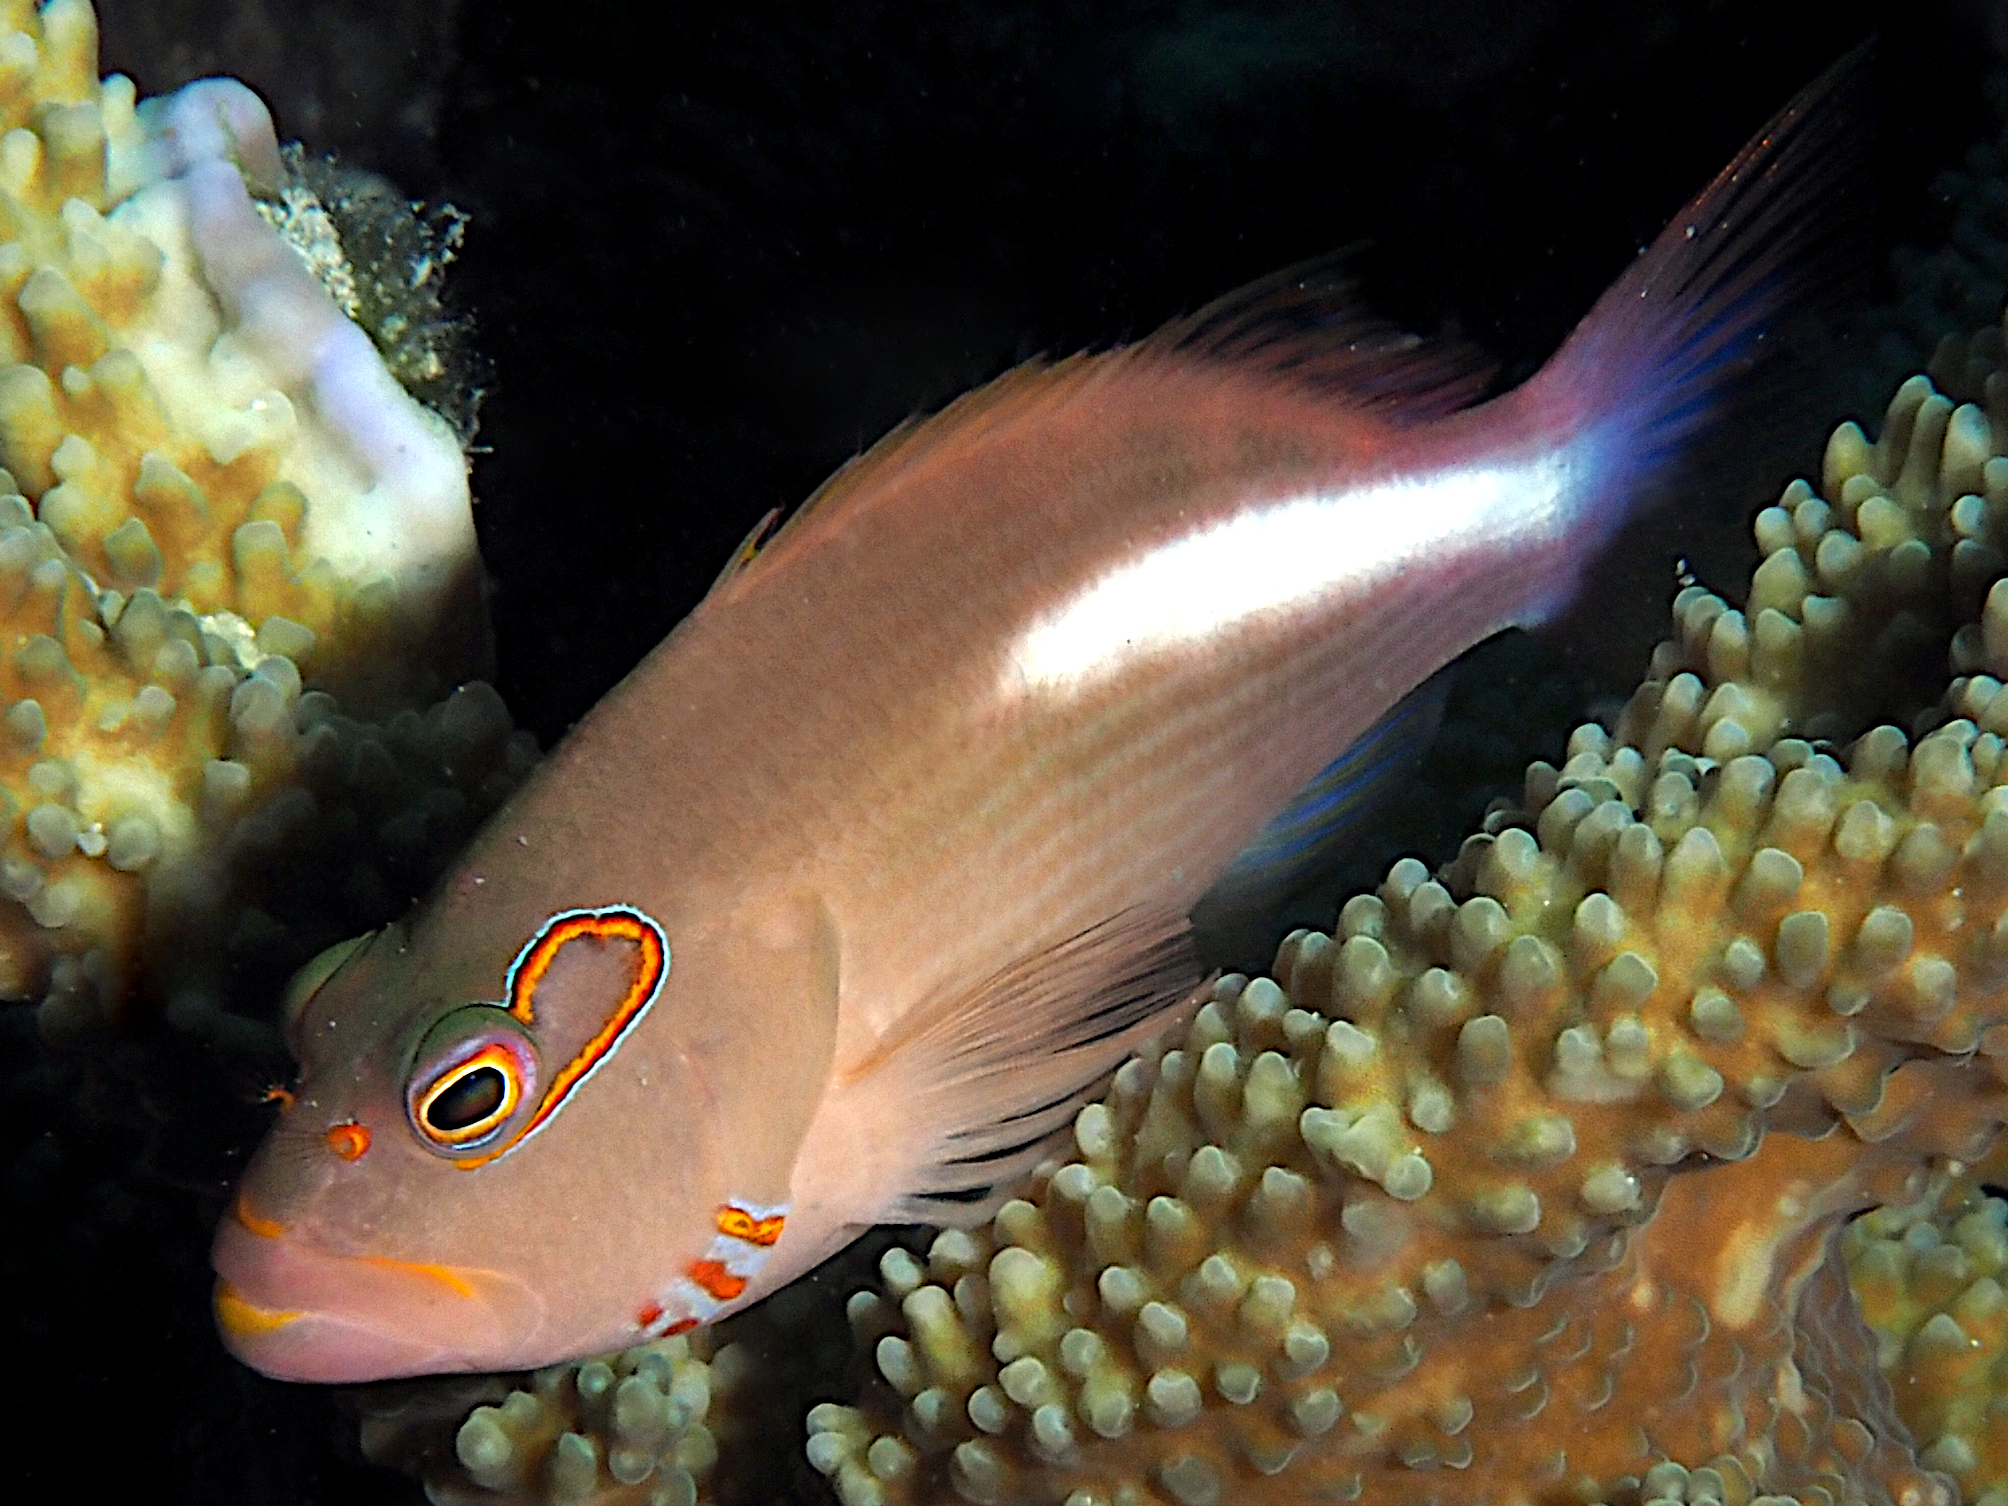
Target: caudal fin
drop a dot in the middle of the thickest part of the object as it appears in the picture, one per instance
(1693, 339)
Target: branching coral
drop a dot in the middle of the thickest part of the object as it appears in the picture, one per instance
(629, 1429)
(1524, 1184)
(713, 1417)
(215, 495)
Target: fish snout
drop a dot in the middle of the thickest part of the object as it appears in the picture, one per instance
(296, 1312)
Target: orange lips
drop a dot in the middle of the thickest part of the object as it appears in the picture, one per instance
(243, 1320)
(264, 1228)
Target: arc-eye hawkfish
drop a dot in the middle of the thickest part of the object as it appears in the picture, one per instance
(842, 902)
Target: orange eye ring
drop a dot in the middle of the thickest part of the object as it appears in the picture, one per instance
(485, 1115)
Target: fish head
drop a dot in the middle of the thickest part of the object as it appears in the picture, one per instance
(476, 1177)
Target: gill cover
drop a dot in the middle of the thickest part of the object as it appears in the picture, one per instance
(478, 1085)
(310, 980)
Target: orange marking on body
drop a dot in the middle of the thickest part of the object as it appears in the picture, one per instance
(278, 1093)
(349, 1140)
(737, 1223)
(447, 1276)
(715, 1279)
(681, 1325)
(647, 1316)
(616, 923)
(240, 1319)
(264, 1228)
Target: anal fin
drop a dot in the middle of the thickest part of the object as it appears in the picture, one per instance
(988, 1076)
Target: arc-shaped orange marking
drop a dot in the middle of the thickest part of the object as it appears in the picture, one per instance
(737, 1223)
(612, 923)
(453, 1278)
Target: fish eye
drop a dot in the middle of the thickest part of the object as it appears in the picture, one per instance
(472, 1074)
(467, 1098)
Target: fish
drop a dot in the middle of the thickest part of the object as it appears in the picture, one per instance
(836, 910)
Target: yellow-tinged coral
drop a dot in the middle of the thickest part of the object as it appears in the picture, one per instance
(561, 1436)
(167, 438)
(629, 1429)
(214, 495)
(1928, 1275)
(1524, 1185)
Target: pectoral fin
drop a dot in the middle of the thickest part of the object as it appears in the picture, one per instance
(985, 1077)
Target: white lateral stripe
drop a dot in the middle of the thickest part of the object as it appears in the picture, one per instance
(1285, 555)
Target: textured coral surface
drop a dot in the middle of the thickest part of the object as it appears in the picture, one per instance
(183, 514)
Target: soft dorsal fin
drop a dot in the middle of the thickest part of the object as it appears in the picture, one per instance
(1308, 325)
(985, 1077)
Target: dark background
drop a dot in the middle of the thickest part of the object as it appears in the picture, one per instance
(715, 250)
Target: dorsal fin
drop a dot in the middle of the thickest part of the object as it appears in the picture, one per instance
(756, 539)
(1304, 326)
(1017, 393)
(1308, 325)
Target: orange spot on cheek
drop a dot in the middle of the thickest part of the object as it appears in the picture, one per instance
(647, 1316)
(715, 1279)
(349, 1141)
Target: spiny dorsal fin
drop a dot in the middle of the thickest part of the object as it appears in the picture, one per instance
(1016, 394)
(736, 562)
(987, 1076)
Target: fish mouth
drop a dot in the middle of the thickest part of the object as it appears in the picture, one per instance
(296, 1312)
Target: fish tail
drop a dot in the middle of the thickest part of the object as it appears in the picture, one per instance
(1694, 344)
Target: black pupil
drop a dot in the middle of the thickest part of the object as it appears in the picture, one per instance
(469, 1101)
